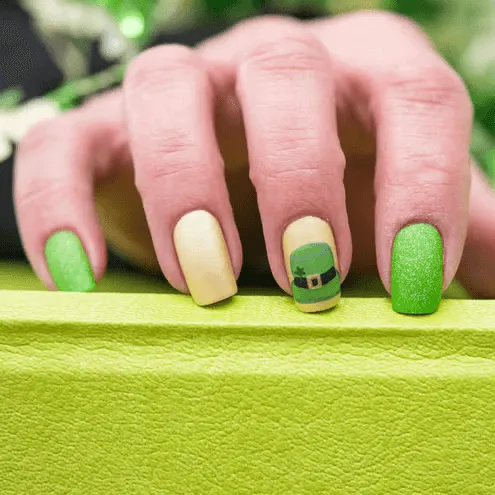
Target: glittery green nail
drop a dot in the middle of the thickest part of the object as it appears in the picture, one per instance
(68, 263)
(417, 270)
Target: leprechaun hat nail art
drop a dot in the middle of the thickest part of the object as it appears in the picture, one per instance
(315, 277)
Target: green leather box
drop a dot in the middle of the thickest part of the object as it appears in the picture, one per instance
(135, 390)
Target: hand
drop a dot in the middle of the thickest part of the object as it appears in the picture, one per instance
(296, 98)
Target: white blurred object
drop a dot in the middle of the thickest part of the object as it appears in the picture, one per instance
(15, 124)
(5, 149)
(81, 21)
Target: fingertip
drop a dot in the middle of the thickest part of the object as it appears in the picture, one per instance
(204, 258)
(442, 206)
(71, 262)
(312, 264)
(417, 269)
(435, 248)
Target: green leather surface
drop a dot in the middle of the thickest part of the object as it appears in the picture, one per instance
(149, 394)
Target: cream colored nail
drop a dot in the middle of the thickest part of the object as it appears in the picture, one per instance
(204, 258)
(312, 265)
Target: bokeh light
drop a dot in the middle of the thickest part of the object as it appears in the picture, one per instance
(132, 25)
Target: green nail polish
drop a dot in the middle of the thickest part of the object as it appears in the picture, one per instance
(417, 270)
(68, 263)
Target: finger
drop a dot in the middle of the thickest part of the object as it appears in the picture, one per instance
(477, 269)
(179, 172)
(53, 191)
(423, 119)
(286, 92)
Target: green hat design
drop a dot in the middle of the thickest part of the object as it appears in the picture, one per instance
(315, 276)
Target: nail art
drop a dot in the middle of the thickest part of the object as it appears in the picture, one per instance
(417, 270)
(68, 264)
(204, 258)
(309, 250)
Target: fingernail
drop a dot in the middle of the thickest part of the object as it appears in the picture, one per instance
(68, 264)
(311, 264)
(417, 270)
(204, 258)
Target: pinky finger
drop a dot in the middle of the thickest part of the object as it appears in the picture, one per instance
(53, 195)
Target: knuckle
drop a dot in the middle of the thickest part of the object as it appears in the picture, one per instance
(42, 185)
(172, 160)
(162, 180)
(175, 53)
(422, 171)
(51, 131)
(156, 174)
(177, 146)
(37, 190)
(44, 189)
(293, 145)
(285, 51)
(293, 162)
(283, 172)
(370, 22)
(381, 19)
(39, 135)
(154, 67)
(257, 27)
(434, 84)
(294, 154)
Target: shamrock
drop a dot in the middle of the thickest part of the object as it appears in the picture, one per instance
(299, 272)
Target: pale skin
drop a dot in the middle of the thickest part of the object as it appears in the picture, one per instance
(354, 119)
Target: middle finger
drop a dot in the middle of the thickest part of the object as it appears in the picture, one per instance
(179, 172)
